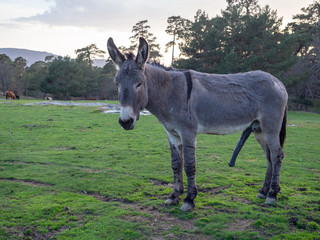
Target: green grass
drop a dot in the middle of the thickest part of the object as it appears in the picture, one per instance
(73, 173)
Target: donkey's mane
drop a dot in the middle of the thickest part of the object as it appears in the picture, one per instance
(159, 65)
(130, 55)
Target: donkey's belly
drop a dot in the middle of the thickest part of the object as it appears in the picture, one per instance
(222, 129)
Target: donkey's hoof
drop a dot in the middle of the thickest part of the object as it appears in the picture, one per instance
(262, 196)
(169, 201)
(186, 207)
(271, 201)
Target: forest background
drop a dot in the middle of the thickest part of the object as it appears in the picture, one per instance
(245, 36)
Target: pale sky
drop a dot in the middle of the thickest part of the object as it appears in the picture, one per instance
(61, 26)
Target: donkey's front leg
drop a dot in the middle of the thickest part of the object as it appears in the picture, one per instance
(190, 169)
(176, 163)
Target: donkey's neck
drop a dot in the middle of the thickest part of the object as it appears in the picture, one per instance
(159, 82)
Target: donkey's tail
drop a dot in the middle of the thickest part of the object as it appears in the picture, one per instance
(283, 131)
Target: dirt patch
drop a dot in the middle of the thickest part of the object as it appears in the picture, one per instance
(26, 163)
(27, 182)
(65, 148)
(106, 198)
(29, 125)
(162, 183)
(253, 184)
(213, 190)
(240, 199)
(160, 222)
(31, 232)
(240, 225)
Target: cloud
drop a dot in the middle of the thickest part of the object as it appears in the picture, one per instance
(10, 25)
(114, 15)
(111, 14)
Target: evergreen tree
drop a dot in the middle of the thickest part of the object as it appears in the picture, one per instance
(254, 35)
(85, 58)
(246, 6)
(35, 74)
(64, 79)
(304, 27)
(141, 29)
(199, 43)
(6, 72)
(175, 27)
(245, 37)
(110, 90)
(88, 53)
(20, 70)
(303, 79)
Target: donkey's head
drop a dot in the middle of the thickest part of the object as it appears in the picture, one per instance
(131, 82)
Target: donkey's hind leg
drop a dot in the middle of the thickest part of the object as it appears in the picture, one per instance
(276, 156)
(177, 168)
(266, 185)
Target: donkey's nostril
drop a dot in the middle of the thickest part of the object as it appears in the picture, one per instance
(127, 124)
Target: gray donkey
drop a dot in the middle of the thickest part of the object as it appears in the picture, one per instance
(189, 102)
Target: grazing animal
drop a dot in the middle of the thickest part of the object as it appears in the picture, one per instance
(48, 98)
(10, 94)
(188, 103)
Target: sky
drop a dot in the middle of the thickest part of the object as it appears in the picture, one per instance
(62, 26)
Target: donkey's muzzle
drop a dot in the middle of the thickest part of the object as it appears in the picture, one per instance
(127, 124)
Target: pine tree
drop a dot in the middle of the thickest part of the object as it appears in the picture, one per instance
(175, 28)
(6, 72)
(303, 79)
(141, 29)
(245, 37)
(20, 67)
(64, 79)
(88, 53)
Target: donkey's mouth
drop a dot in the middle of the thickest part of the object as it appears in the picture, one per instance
(128, 124)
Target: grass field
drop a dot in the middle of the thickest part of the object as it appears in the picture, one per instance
(73, 173)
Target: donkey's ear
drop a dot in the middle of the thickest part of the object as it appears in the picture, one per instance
(143, 52)
(116, 56)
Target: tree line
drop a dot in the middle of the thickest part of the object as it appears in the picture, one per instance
(61, 77)
(245, 36)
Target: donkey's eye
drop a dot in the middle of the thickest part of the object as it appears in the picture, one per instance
(138, 85)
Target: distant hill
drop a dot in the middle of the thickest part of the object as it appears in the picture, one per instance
(30, 55)
(99, 62)
(34, 56)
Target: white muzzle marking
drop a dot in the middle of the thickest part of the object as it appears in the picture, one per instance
(126, 113)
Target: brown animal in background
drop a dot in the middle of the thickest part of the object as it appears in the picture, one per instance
(10, 94)
(49, 98)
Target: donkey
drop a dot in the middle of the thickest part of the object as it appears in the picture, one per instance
(188, 102)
